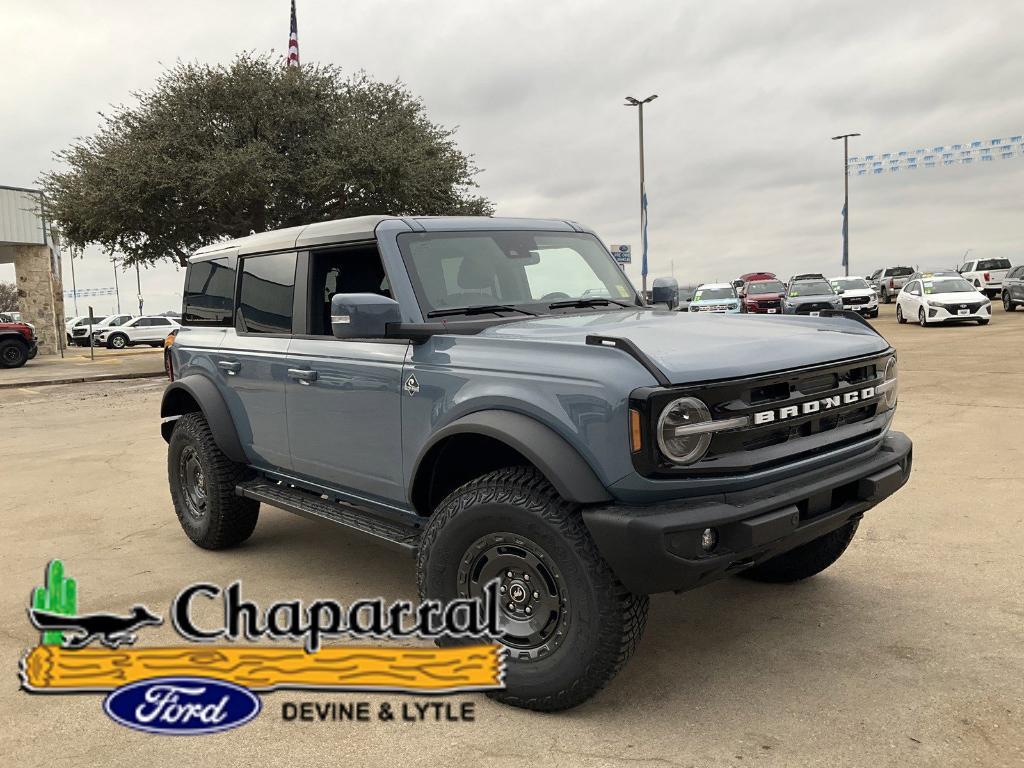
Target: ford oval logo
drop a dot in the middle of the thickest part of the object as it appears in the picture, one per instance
(182, 705)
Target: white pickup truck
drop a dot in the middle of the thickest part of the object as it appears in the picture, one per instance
(986, 274)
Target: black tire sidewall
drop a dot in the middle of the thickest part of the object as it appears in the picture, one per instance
(18, 359)
(570, 660)
(112, 342)
(197, 529)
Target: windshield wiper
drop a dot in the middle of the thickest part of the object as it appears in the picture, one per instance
(581, 303)
(484, 309)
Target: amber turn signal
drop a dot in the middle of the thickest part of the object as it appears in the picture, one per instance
(635, 438)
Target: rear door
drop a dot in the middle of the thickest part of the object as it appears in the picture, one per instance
(1015, 283)
(252, 359)
(344, 395)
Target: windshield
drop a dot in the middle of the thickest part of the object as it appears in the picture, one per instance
(809, 288)
(850, 283)
(455, 270)
(948, 285)
(95, 321)
(711, 294)
(766, 286)
(993, 264)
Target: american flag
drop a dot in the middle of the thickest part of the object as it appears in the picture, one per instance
(293, 41)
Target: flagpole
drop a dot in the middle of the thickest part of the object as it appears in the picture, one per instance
(846, 199)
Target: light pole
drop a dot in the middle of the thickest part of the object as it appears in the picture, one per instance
(639, 104)
(138, 285)
(117, 289)
(846, 198)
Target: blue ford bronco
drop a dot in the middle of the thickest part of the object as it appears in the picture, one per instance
(494, 397)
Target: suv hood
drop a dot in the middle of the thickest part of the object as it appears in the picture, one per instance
(698, 347)
(812, 298)
(857, 292)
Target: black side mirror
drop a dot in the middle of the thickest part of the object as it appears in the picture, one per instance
(363, 315)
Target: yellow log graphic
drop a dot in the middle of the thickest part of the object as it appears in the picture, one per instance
(428, 670)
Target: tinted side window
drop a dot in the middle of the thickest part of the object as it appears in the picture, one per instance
(209, 292)
(355, 269)
(266, 293)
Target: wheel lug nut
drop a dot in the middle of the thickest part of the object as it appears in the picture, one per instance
(536, 595)
(511, 606)
(502, 589)
(526, 577)
(509, 574)
(529, 610)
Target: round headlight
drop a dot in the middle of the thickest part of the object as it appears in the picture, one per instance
(891, 375)
(679, 444)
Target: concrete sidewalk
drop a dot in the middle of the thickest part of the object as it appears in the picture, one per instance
(76, 366)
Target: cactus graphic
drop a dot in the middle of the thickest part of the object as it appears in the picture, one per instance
(60, 595)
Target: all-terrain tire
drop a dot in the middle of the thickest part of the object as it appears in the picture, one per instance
(194, 463)
(13, 353)
(806, 560)
(600, 621)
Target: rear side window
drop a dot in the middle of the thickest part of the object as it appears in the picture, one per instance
(899, 272)
(209, 292)
(266, 293)
(994, 264)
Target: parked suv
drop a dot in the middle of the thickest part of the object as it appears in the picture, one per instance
(493, 396)
(810, 295)
(985, 274)
(1013, 288)
(17, 344)
(139, 330)
(889, 280)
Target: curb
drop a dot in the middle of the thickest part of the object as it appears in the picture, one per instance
(82, 379)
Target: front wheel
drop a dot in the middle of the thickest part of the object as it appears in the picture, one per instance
(13, 353)
(567, 623)
(1008, 304)
(806, 560)
(117, 341)
(983, 322)
(203, 481)
(921, 318)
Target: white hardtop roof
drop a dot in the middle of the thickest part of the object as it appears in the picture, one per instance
(363, 228)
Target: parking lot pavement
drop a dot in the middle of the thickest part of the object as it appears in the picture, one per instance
(907, 652)
(77, 366)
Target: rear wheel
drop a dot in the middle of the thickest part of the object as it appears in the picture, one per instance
(806, 560)
(899, 314)
(885, 296)
(203, 481)
(13, 353)
(568, 624)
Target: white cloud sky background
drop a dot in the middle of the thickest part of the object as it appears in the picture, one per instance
(741, 173)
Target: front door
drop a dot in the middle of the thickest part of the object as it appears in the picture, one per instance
(344, 396)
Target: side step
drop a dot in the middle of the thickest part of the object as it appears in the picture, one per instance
(389, 532)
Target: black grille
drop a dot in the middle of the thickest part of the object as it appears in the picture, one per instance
(818, 306)
(856, 300)
(757, 446)
(767, 304)
(954, 308)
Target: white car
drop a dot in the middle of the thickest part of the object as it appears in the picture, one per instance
(932, 299)
(856, 294)
(986, 274)
(150, 330)
(80, 332)
(77, 329)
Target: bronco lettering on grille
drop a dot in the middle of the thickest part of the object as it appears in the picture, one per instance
(814, 406)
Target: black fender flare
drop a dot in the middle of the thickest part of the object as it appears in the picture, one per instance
(203, 392)
(548, 451)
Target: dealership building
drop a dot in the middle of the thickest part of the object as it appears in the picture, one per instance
(29, 243)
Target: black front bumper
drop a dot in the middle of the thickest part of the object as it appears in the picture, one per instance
(657, 548)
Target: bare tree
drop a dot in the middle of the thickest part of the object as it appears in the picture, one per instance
(8, 297)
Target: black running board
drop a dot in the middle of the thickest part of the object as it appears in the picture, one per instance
(300, 502)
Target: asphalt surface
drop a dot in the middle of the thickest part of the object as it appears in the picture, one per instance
(909, 651)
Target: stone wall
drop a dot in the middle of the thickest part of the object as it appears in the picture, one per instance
(40, 294)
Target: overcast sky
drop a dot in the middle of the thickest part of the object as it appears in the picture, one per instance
(741, 174)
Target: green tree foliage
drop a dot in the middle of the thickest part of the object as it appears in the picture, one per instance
(214, 151)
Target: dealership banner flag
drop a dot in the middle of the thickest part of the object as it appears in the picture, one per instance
(643, 223)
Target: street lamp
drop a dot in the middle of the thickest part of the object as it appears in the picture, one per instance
(846, 198)
(639, 104)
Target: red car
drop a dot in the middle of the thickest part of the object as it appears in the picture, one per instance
(763, 296)
(17, 344)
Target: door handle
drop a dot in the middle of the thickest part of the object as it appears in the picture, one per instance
(302, 375)
(230, 367)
